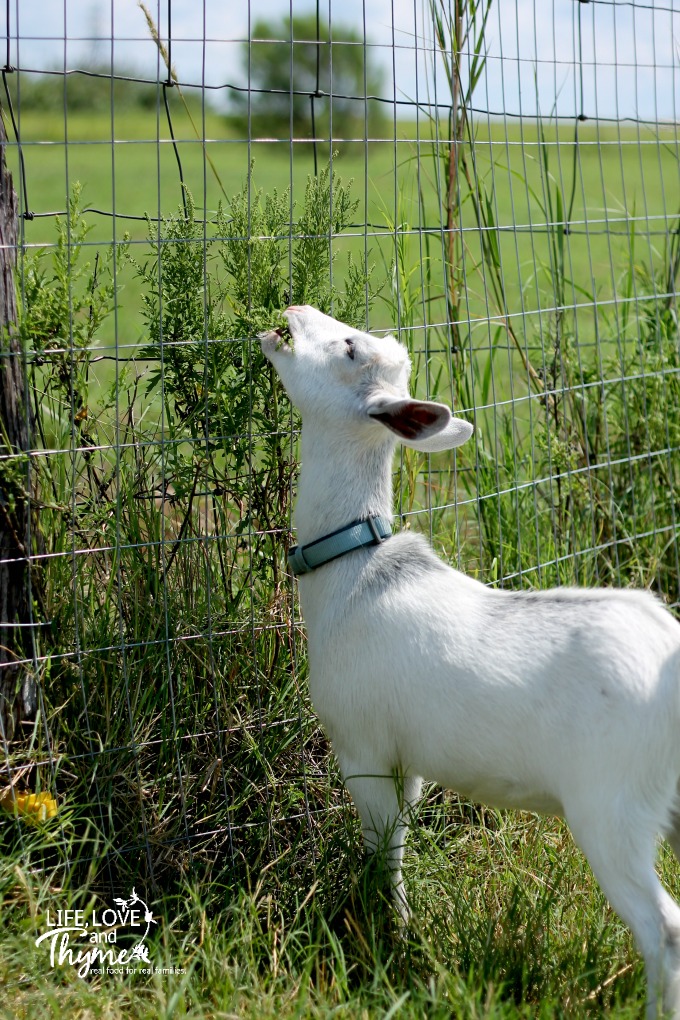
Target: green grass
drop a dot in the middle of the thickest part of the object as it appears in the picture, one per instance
(508, 922)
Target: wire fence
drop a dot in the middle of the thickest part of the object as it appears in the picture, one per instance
(513, 215)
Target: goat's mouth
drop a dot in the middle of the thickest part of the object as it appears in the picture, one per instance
(280, 338)
(285, 338)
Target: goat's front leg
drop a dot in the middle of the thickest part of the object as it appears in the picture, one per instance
(383, 798)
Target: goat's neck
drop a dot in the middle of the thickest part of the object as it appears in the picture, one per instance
(340, 481)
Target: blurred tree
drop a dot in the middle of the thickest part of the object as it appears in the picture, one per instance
(282, 81)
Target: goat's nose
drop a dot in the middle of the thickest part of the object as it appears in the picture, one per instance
(295, 308)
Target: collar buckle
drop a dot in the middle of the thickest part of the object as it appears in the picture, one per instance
(378, 536)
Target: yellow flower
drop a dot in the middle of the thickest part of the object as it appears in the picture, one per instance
(34, 807)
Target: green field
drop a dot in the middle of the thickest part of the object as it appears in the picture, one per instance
(175, 729)
(623, 180)
(620, 184)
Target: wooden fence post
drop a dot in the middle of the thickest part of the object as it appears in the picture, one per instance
(18, 688)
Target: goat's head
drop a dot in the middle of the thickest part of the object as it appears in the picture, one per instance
(343, 377)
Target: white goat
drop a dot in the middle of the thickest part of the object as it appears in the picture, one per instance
(564, 702)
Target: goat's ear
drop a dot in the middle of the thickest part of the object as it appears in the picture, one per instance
(421, 424)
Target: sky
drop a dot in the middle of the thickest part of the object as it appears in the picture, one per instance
(629, 64)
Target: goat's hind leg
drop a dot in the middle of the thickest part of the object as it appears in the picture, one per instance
(621, 851)
(383, 800)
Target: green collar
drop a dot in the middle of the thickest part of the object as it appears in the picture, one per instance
(371, 531)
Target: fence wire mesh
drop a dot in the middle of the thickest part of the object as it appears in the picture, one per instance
(182, 173)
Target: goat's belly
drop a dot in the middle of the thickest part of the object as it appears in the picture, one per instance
(503, 770)
(508, 793)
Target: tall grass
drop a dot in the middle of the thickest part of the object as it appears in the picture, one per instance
(573, 437)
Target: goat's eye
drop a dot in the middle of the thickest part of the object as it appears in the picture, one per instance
(350, 347)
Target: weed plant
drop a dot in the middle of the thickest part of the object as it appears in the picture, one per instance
(171, 674)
